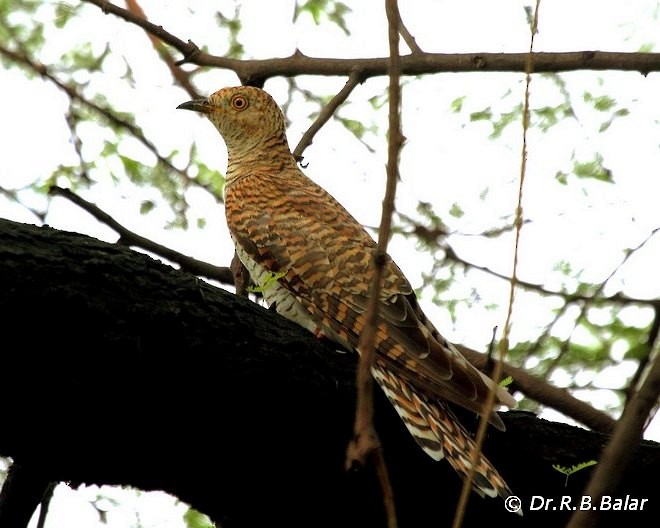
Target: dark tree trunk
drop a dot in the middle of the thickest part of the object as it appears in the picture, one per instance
(118, 369)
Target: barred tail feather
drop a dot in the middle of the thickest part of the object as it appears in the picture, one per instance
(439, 433)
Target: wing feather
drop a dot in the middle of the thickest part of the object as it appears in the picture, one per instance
(322, 257)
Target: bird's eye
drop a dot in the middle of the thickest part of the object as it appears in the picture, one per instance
(239, 102)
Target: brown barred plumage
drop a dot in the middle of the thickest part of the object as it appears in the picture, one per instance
(312, 259)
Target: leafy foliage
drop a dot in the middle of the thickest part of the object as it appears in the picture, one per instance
(114, 137)
(593, 169)
(333, 10)
(573, 469)
(233, 26)
(195, 519)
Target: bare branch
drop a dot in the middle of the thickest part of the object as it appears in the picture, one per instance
(180, 76)
(365, 440)
(618, 452)
(408, 38)
(13, 196)
(651, 341)
(116, 121)
(553, 397)
(618, 298)
(256, 71)
(435, 236)
(326, 113)
(188, 49)
(128, 238)
(504, 343)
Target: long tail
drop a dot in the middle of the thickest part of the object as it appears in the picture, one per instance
(439, 433)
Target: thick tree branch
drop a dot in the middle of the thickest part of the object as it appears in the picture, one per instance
(531, 386)
(549, 395)
(129, 238)
(255, 72)
(147, 364)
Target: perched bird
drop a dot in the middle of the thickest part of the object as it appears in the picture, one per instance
(312, 259)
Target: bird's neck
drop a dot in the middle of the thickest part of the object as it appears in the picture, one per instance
(270, 156)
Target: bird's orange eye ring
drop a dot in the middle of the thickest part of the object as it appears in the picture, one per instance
(239, 102)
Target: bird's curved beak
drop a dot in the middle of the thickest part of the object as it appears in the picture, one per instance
(196, 105)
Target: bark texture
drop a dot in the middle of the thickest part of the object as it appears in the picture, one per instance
(118, 369)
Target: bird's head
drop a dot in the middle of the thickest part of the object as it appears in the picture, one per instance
(245, 116)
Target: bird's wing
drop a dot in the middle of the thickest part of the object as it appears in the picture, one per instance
(320, 254)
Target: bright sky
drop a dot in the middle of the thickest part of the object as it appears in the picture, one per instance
(446, 160)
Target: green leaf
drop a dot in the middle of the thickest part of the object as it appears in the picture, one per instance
(593, 169)
(82, 57)
(549, 116)
(602, 103)
(337, 15)
(457, 104)
(65, 12)
(210, 178)
(109, 149)
(313, 7)
(195, 519)
(132, 169)
(270, 281)
(483, 115)
(355, 127)
(456, 211)
(334, 11)
(233, 26)
(505, 120)
(621, 112)
(561, 177)
(506, 381)
(638, 351)
(378, 101)
(147, 206)
(573, 469)
(564, 267)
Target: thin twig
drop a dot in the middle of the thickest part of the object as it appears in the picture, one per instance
(617, 298)
(408, 38)
(504, 343)
(540, 390)
(586, 305)
(108, 114)
(651, 340)
(322, 102)
(365, 440)
(180, 76)
(620, 448)
(13, 196)
(45, 504)
(414, 64)
(326, 113)
(128, 238)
